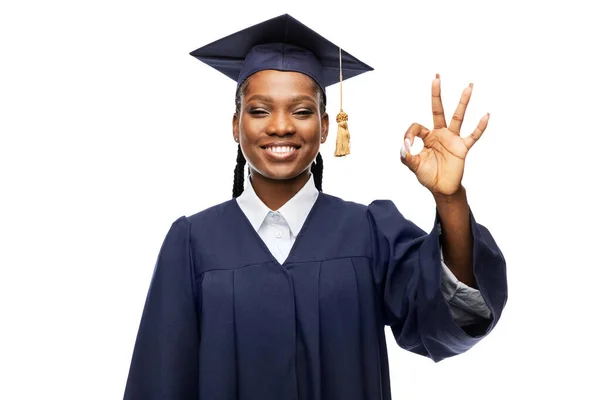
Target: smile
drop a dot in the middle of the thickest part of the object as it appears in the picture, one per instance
(281, 153)
(281, 149)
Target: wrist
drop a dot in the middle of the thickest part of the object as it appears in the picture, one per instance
(458, 197)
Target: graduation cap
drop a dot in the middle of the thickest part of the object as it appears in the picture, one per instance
(283, 43)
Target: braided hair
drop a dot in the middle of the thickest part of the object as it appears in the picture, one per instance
(238, 175)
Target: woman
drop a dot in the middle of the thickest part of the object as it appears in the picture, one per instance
(283, 292)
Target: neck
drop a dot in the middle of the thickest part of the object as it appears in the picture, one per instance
(276, 192)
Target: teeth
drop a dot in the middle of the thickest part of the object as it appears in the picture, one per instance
(281, 149)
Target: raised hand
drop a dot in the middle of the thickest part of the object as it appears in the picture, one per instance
(440, 165)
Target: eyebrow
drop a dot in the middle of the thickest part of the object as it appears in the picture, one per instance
(298, 99)
(268, 99)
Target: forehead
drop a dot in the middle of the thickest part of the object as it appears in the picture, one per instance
(274, 81)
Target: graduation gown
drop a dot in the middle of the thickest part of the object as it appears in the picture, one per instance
(224, 320)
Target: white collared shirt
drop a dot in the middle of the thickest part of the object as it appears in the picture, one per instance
(279, 229)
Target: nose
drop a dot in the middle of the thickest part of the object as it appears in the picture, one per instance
(281, 124)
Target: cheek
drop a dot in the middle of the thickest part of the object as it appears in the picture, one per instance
(312, 131)
(251, 127)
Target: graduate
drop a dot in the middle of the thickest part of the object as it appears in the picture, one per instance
(284, 292)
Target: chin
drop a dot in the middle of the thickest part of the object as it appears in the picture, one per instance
(281, 172)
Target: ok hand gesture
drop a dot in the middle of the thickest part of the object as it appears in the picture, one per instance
(440, 165)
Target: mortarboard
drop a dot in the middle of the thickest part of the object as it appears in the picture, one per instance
(283, 43)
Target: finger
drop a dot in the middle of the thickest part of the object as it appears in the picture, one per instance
(439, 119)
(411, 161)
(459, 114)
(408, 159)
(416, 130)
(470, 140)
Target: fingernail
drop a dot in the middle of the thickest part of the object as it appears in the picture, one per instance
(402, 152)
(407, 145)
(437, 76)
(471, 85)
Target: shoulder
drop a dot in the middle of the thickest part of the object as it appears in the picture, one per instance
(378, 215)
(354, 216)
(210, 217)
(347, 228)
(212, 213)
(342, 205)
(376, 207)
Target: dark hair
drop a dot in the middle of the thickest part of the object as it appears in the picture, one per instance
(238, 174)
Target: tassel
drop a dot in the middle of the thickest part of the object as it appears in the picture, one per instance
(342, 144)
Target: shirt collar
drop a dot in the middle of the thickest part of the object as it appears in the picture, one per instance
(295, 211)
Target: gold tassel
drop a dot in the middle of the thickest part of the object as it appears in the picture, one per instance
(342, 144)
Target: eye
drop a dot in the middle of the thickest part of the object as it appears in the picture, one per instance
(304, 112)
(257, 111)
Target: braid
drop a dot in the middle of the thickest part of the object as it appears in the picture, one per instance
(317, 171)
(238, 175)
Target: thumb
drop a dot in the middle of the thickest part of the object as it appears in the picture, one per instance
(411, 161)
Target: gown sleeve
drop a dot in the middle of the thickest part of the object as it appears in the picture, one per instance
(164, 364)
(408, 272)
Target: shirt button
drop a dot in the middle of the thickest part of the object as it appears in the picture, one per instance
(278, 235)
(276, 217)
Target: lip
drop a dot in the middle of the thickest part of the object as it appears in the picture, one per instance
(280, 156)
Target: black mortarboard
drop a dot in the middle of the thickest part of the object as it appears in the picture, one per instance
(283, 43)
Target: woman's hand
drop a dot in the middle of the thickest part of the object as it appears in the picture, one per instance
(440, 165)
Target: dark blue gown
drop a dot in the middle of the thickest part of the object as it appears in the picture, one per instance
(224, 320)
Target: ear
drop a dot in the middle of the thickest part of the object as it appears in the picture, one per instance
(324, 127)
(235, 124)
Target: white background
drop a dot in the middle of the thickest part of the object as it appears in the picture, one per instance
(110, 130)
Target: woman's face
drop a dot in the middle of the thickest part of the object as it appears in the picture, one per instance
(279, 125)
